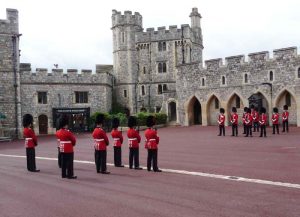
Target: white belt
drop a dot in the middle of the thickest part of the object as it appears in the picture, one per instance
(132, 139)
(99, 140)
(27, 139)
(152, 140)
(116, 139)
(64, 142)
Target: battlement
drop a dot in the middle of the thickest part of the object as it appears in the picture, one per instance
(11, 24)
(126, 19)
(263, 56)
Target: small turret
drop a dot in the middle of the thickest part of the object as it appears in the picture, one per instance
(195, 18)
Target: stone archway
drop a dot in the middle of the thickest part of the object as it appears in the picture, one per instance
(213, 107)
(235, 101)
(194, 112)
(172, 111)
(43, 124)
(259, 100)
(286, 98)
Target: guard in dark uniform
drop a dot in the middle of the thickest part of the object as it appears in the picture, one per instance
(275, 120)
(234, 119)
(30, 142)
(101, 142)
(118, 141)
(66, 143)
(151, 144)
(285, 119)
(263, 122)
(221, 122)
(133, 142)
(244, 120)
(248, 121)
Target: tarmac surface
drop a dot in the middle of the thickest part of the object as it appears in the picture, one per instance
(204, 175)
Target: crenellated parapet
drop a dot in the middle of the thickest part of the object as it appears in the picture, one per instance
(126, 19)
(11, 24)
(102, 75)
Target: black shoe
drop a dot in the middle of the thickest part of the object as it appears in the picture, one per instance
(219, 135)
(119, 166)
(98, 171)
(245, 136)
(158, 171)
(64, 177)
(138, 168)
(260, 136)
(35, 171)
(72, 177)
(105, 172)
(149, 169)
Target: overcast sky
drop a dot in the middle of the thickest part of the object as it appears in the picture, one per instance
(76, 33)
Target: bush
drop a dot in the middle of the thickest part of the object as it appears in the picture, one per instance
(161, 118)
(122, 117)
(107, 121)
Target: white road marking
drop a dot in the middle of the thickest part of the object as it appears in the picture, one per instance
(208, 175)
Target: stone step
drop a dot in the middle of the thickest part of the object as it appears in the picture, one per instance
(5, 139)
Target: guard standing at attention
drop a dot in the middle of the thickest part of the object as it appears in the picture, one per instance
(248, 121)
(221, 122)
(118, 141)
(101, 141)
(234, 118)
(151, 144)
(244, 120)
(275, 120)
(285, 119)
(263, 122)
(30, 142)
(66, 143)
(133, 142)
(255, 116)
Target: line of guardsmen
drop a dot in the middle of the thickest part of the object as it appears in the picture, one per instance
(252, 118)
(66, 142)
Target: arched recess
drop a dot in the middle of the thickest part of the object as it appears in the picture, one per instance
(235, 101)
(212, 108)
(194, 111)
(287, 98)
(172, 111)
(43, 124)
(259, 100)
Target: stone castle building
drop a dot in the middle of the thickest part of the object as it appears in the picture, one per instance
(157, 71)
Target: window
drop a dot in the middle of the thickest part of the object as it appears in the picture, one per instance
(217, 106)
(143, 90)
(162, 67)
(159, 67)
(157, 109)
(223, 80)
(144, 70)
(81, 97)
(123, 36)
(42, 97)
(288, 99)
(162, 46)
(125, 93)
(203, 82)
(165, 87)
(159, 89)
(271, 76)
(246, 78)
(299, 72)
(237, 102)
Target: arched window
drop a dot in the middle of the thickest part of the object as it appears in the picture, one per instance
(237, 102)
(223, 80)
(217, 106)
(288, 100)
(160, 67)
(159, 89)
(246, 78)
(299, 72)
(165, 87)
(144, 70)
(164, 67)
(203, 82)
(164, 47)
(143, 90)
(123, 36)
(271, 76)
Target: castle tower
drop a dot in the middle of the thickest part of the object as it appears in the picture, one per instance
(9, 74)
(197, 32)
(125, 60)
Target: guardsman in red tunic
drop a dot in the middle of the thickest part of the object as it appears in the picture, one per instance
(285, 118)
(133, 142)
(221, 122)
(151, 144)
(66, 143)
(234, 118)
(263, 122)
(275, 120)
(248, 121)
(244, 120)
(100, 141)
(30, 142)
(118, 141)
(255, 116)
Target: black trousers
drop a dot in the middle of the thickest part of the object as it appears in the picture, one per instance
(249, 130)
(245, 128)
(263, 130)
(255, 127)
(285, 126)
(277, 128)
(67, 161)
(59, 157)
(221, 130)
(134, 156)
(152, 159)
(234, 129)
(30, 154)
(117, 156)
(100, 160)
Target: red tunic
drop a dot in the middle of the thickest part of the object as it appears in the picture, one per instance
(30, 138)
(234, 118)
(221, 119)
(152, 139)
(248, 119)
(117, 137)
(275, 118)
(66, 140)
(133, 138)
(100, 138)
(244, 117)
(263, 120)
(285, 116)
(255, 116)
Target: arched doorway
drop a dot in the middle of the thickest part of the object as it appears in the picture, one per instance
(43, 124)
(286, 98)
(172, 111)
(235, 101)
(258, 100)
(194, 112)
(213, 106)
